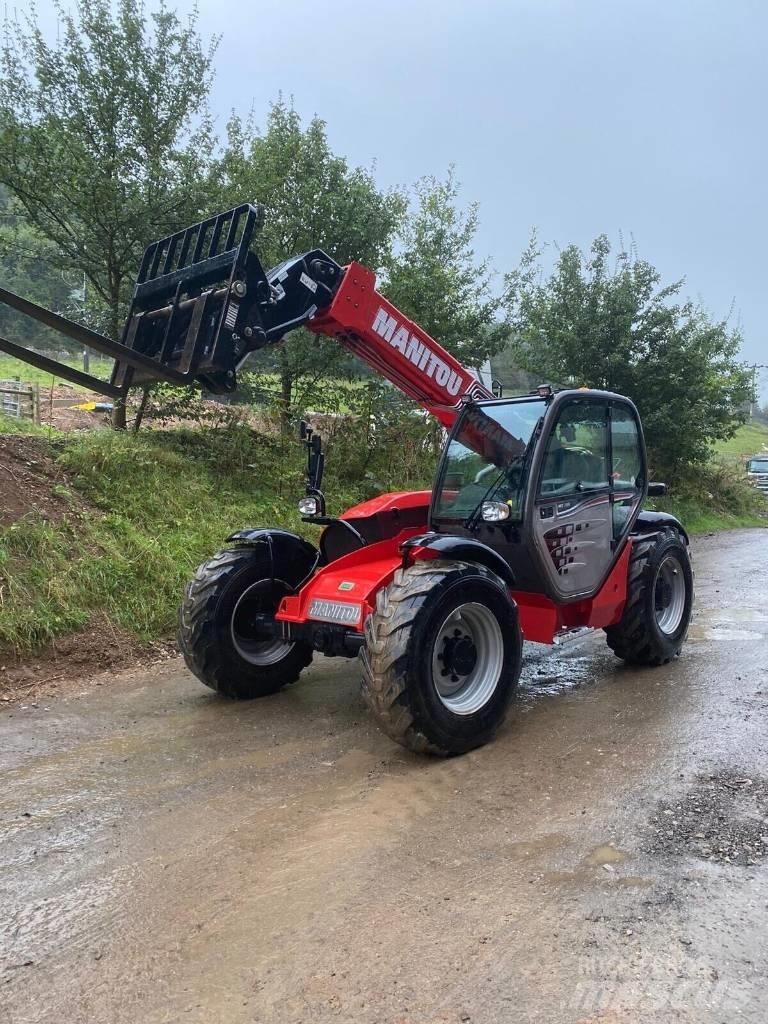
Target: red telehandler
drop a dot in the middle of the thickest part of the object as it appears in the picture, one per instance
(534, 527)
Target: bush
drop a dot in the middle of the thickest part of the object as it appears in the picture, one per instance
(715, 495)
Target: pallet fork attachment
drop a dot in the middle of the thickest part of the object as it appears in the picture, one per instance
(202, 302)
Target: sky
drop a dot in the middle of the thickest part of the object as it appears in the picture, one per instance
(645, 120)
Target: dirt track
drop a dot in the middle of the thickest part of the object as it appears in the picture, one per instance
(166, 856)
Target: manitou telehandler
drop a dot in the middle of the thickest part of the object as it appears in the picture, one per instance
(534, 527)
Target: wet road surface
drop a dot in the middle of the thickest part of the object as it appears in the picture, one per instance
(167, 856)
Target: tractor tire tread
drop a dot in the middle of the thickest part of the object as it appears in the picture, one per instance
(630, 639)
(197, 637)
(384, 654)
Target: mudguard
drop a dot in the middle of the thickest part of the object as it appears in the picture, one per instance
(457, 549)
(651, 522)
(292, 558)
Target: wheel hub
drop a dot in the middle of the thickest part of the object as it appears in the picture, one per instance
(669, 595)
(663, 595)
(459, 655)
(467, 658)
(252, 638)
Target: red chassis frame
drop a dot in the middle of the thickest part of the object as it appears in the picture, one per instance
(356, 578)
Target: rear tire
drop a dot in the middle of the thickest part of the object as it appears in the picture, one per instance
(655, 620)
(442, 656)
(214, 634)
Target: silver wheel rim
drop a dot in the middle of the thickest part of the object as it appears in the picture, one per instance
(669, 595)
(256, 652)
(467, 658)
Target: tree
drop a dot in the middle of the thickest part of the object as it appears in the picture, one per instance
(97, 138)
(435, 279)
(312, 199)
(619, 328)
(28, 267)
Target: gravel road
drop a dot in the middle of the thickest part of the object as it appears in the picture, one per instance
(166, 856)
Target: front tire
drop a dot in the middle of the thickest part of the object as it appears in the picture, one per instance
(655, 620)
(216, 635)
(442, 657)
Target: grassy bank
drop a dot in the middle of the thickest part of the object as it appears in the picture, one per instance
(717, 496)
(749, 439)
(135, 516)
(140, 515)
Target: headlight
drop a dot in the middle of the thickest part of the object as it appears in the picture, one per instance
(495, 511)
(308, 506)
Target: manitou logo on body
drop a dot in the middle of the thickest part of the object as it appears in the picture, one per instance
(417, 352)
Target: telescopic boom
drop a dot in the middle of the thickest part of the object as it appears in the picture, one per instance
(203, 302)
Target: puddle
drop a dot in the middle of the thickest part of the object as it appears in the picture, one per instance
(697, 633)
(606, 854)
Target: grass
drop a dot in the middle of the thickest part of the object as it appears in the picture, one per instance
(11, 369)
(159, 505)
(12, 425)
(749, 439)
(715, 496)
(698, 520)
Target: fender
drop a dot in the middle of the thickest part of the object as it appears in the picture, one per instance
(459, 549)
(652, 522)
(291, 558)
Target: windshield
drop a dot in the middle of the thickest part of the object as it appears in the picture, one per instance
(757, 465)
(487, 459)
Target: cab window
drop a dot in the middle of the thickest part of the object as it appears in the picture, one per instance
(627, 472)
(576, 460)
(627, 469)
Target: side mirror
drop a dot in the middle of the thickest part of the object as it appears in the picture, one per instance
(302, 430)
(656, 490)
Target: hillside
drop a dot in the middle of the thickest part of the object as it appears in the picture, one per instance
(748, 440)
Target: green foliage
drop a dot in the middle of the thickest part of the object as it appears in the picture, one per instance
(749, 439)
(435, 278)
(95, 140)
(312, 199)
(619, 328)
(161, 505)
(28, 267)
(164, 501)
(715, 496)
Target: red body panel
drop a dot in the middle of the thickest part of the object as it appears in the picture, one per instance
(363, 572)
(541, 619)
(357, 577)
(364, 322)
(394, 501)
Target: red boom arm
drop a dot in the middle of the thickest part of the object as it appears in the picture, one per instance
(362, 320)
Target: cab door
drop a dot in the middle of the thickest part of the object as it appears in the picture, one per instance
(628, 470)
(572, 516)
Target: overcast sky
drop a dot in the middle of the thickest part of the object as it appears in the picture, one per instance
(646, 118)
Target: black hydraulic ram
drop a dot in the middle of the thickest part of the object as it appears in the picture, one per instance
(201, 304)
